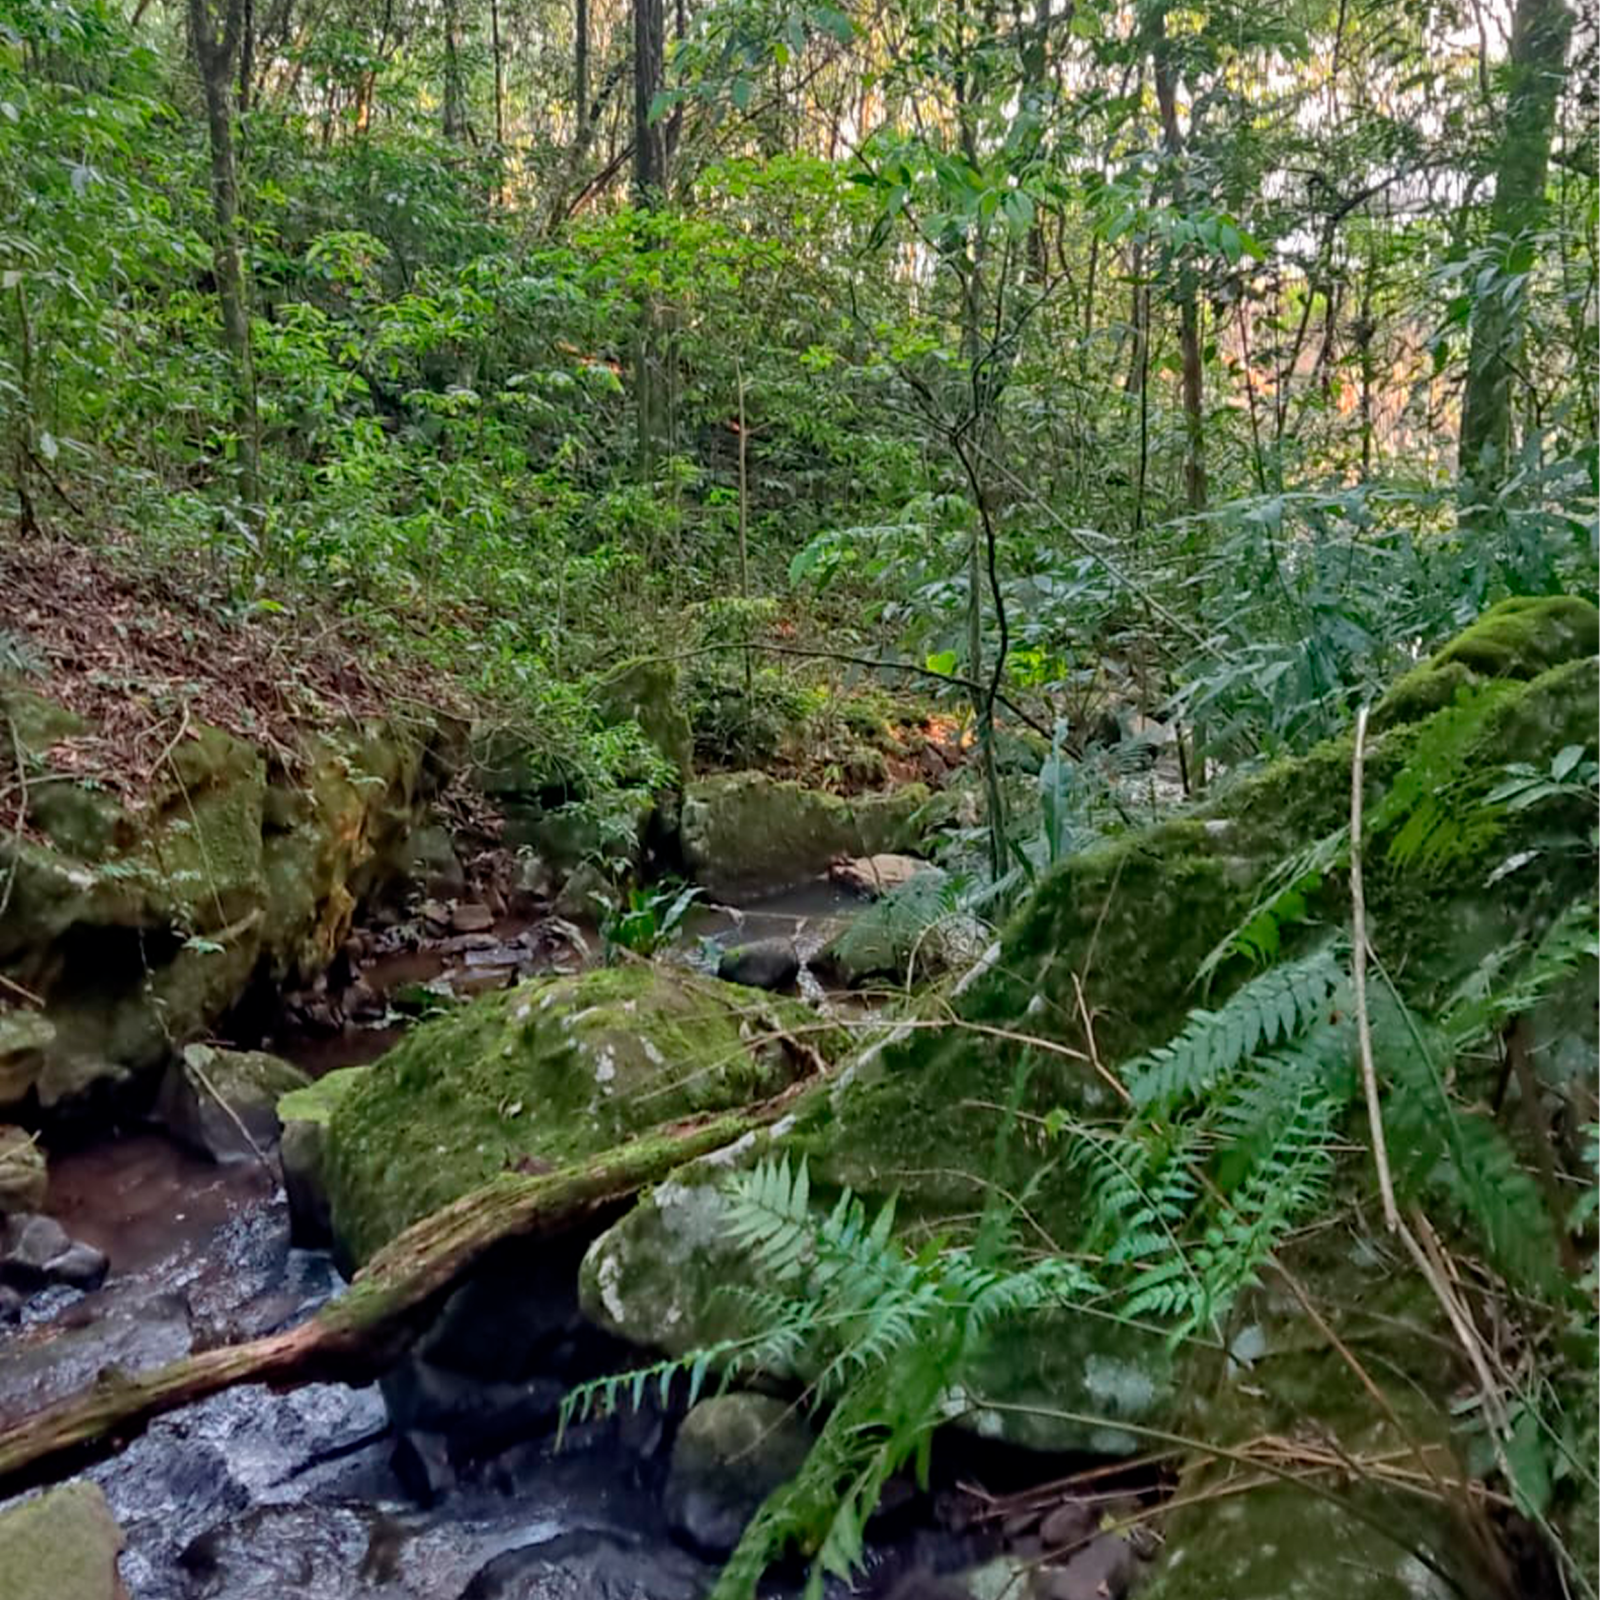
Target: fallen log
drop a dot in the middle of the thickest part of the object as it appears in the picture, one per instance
(360, 1332)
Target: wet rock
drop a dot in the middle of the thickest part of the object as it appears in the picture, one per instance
(764, 964)
(732, 1451)
(422, 1464)
(79, 1266)
(744, 831)
(10, 1304)
(23, 1177)
(31, 1242)
(223, 1103)
(476, 1415)
(471, 919)
(590, 1565)
(36, 1253)
(62, 1546)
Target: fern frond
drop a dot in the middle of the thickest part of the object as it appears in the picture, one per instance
(1447, 1149)
(1275, 1006)
(1485, 1003)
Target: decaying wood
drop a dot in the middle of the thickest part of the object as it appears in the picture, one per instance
(360, 1332)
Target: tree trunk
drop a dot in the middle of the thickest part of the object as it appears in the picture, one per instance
(215, 53)
(361, 1332)
(1194, 461)
(454, 109)
(649, 187)
(1536, 70)
(499, 75)
(580, 75)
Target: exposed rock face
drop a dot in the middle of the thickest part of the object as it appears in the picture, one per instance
(539, 1076)
(142, 924)
(23, 1177)
(1127, 925)
(732, 1451)
(62, 1546)
(223, 1103)
(744, 832)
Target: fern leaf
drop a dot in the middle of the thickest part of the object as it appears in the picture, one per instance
(1274, 1006)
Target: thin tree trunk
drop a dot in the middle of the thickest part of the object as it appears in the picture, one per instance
(499, 75)
(1189, 349)
(580, 75)
(454, 109)
(1540, 31)
(649, 188)
(215, 53)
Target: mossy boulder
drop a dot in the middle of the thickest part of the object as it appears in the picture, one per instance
(1099, 965)
(1516, 640)
(651, 694)
(63, 1545)
(1322, 1539)
(541, 1076)
(223, 1103)
(744, 833)
(142, 919)
(24, 1179)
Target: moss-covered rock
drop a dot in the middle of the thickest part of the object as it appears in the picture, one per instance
(744, 833)
(1517, 639)
(142, 920)
(650, 693)
(304, 1115)
(542, 1075)
(24, 1179)
(1337, 1536)
(61, 1546)
(223, 1103)
(1098, 966)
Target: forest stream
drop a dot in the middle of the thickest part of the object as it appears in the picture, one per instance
(253, 1493)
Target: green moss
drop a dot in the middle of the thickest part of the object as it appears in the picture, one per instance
(538, 1077)
(317, 1101)
(1519, 638)
(744, 832)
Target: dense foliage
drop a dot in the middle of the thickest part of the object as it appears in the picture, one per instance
(1080, 363)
